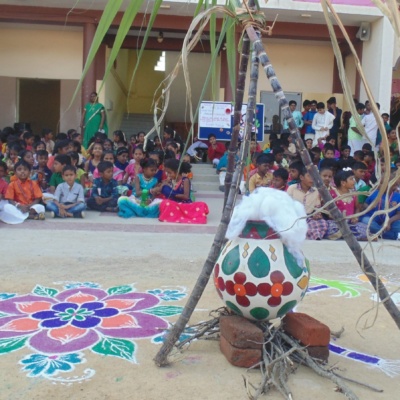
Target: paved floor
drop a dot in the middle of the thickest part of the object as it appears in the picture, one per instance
(145, 269)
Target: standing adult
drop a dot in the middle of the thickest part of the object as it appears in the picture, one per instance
(371, 125)
(93, 119)
(297, 116)
(356, 139)
(337, 113)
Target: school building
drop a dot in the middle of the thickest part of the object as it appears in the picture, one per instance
(44, 44)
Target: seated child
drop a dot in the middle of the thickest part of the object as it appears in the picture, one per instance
(142, 203)
(28, 139)
(294, 172)
(174, 147)
(69, 199)
(133, 168)
(280, 161)
(61, 147)
(332, 141)
(326, 174)
(43, 171)
(75, 163)
(250, 170)
(47, 135)
(315, 154)
(348, 206)
(122, 158)
(358, 156)
(178, 206)
(305, 193)
(95, 151)
(12, 157)
(104, 195)
(369, 160)
(37, 147)
(215, 150)
(60, 161)
(23, 196)
(158, 157)
(263, 177)
(280, 178)
(223, 165)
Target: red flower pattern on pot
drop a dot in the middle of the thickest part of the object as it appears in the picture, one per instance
(239, 288)
(278, 288)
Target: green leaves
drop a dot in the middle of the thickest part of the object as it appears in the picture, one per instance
(164, 311)
(120, 289)
(11, 344)
(44, 291)
(259, 264)
(120, 348)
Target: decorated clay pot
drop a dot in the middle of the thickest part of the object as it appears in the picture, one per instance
(257, 277)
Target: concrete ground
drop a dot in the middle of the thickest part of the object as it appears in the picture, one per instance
(58, 261)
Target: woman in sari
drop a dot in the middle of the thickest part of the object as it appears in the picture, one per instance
(93, 119)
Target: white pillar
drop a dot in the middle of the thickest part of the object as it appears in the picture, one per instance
(377, 63)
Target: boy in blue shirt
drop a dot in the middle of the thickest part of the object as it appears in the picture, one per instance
(104, 195)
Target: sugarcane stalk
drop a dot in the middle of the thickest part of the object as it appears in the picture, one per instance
(201, 283)
(347, 235)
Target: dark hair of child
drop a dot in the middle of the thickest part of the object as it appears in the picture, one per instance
(71, 132)
(16, 147)
(104, 165)
(173, 144)
(61, 136)
(4, 166)
(168, 155)
(254, 157)
(27, 135)
(264, 158)
(370, 154)
(160, 155)
(74, 155)
(325, 169)
(121, 137)
(328, 146)
(278, 150)
(273, 137)
(69, 168)
(359, 165)
(320, 106)
(316, 149)
(173, 164)
(341, 176)
(105, 153)
(63, 159)
(60, 145)
(329, 163)
(297, 165)
(40, 153)
(37, 144)
(209, 136)
(281, 173)
(77, 146)
(345, 147)
(367, 147)
(108, 141)
(359, 154)
(148, 162)
(46, 131)
(23, 153)
(23, 163)
(122, 150)
(385, 115)
(306, 103)
(75, 135)
(303, 171)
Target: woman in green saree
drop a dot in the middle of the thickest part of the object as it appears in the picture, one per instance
(93, 119)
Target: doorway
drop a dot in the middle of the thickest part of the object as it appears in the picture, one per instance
(39, 103)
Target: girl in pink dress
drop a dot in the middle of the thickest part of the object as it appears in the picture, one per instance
(348, 205)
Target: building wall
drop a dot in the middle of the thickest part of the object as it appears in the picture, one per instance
(70, 116)
(377, 63)
(8, 101)
(301, 67)
(40, 53)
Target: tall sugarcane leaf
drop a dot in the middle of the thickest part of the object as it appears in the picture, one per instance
(107, 17)
(126, 23)
(231, 52)
(213, 36)
(199, 6)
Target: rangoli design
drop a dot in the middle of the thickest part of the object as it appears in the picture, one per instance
(60, 325)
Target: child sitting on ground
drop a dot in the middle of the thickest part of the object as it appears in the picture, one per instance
(24, 197)
(43, 171)
(61, 147)
(263, 177)
(95, 152)
(104, 195)
(141, 204)
(108, 155)
(326, 174)
(80, 173)
(359, 170)
(3, 184)
(134, 167)
(280, 161)
(121, 161)
(158, 157)
(69, 198)
(60, 161)
(305, 193)
(294, 172)
(280, 178)
(358, 156)
(178, 206)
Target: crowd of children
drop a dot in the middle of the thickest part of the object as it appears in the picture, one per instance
(64, 178)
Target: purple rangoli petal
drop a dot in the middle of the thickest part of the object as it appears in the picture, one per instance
(10, 306)
(64, 306)
(106, 312)
(88, 322)
(93, 305)
(53, 323)
(44, 314)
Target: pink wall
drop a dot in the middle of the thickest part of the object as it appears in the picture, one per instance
(344, 2)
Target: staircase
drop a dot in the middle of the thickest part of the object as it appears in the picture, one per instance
(205, 178)
(131, 124)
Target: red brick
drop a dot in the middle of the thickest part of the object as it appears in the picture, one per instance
(244, 358)
(241, 333)
(320, 353)
(306, 329)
